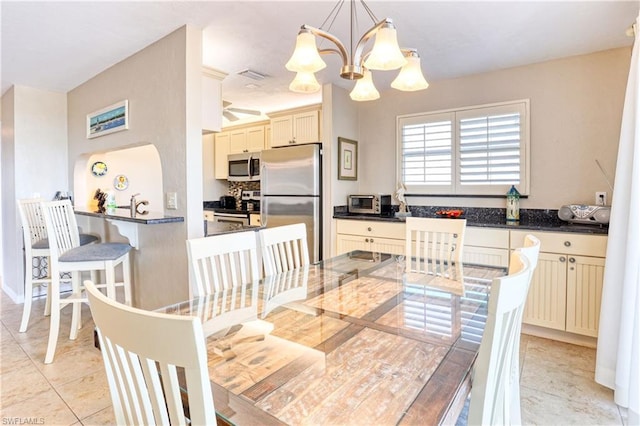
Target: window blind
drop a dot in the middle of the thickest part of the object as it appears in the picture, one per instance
(490, 150)
(427, 153)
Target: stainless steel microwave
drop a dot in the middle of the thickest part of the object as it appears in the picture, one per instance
(244, 167)
(370, 204)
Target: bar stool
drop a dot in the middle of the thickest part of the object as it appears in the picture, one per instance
(67, 255)
(36, 246)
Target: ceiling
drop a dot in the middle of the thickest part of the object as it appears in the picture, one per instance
(57, 46)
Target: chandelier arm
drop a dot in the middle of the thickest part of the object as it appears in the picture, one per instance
(342, 51)
(357, 59)
(328, 51)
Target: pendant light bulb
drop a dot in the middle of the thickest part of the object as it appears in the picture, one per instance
(410, 77)
(305, 82)
(305, 57)
(386, 54)
(364, 90)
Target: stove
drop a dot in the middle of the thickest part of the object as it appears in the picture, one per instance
(250, 201)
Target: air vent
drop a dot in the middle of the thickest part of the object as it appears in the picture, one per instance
(254, 75)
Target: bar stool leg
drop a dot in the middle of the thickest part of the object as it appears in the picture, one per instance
(54, 320)
(126, 278)
(76, 315)
(110, 273)
(28, 298)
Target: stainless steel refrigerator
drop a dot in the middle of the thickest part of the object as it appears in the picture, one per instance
(291, 190)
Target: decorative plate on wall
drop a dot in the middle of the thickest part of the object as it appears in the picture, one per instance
(121, 182)
(99, 168)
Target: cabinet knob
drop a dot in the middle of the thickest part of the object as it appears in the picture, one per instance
(572, 259)
(366, 240)
(567, 243)
(371, 240)
(369, 229)
(563, 259)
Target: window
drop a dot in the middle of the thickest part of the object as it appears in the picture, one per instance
(480, 150)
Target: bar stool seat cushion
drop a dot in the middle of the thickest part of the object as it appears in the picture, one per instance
(84, 239)
(93, 252)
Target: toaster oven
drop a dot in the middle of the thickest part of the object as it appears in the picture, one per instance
(370, 204)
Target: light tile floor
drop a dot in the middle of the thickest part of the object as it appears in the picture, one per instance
(557, 386)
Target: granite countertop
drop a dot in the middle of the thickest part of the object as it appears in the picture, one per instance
(493, 221)
(124, 215)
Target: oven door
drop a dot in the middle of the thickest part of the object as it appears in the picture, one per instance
(240, 218)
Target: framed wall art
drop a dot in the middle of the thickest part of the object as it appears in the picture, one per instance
(113, 118)
(347, 159)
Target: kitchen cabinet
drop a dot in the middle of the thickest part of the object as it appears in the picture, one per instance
(295, 128)
(486, 246)
(220, 153)
(387, 237)
(208, 215)
(212, 100)
(248, 139)
(566, 289)
(254, 219)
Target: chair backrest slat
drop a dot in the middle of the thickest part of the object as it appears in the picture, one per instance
(435, 246)
(141, 351)
(284, 248)
(223, 261)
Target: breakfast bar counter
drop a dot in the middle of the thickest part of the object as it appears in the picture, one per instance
(149, 218)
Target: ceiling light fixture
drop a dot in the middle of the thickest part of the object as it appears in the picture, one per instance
(385, 55)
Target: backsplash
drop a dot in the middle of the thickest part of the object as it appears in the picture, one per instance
(236, 188)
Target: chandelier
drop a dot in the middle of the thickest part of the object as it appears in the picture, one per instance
(356, 64)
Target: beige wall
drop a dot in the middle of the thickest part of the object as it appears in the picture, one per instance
(340, 118)
(576, 109)
(34, 163)
(163, 85)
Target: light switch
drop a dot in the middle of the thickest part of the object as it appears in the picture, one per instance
(172, 200)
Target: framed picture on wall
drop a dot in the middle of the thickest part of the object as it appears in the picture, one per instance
(113, 118)
(347, 159)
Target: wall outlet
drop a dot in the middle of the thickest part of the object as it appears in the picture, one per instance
(601, 198)
(172, 200)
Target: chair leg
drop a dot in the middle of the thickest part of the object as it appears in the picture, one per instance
(54, 321)
(47, 303)
(28, 298)
(76, 315)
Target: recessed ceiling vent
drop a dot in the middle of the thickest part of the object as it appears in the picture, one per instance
(254, 75)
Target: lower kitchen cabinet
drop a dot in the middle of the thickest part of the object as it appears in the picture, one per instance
(486, 246)
(383, 237)
(566, 289)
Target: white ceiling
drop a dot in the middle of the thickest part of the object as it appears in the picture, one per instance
(59, 45)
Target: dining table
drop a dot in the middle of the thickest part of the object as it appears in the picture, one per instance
(351, 340)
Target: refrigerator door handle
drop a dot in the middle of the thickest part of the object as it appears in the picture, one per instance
(264, 202)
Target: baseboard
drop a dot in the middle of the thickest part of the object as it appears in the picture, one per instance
(561, 336)
(38, 292)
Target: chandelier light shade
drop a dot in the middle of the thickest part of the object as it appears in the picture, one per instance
(305, 82)
(305, 57)
(356, 63)
(386, 54)
(410, 77)
(364, 90)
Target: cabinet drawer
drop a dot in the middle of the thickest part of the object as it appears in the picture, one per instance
(564, 242)
(371, 228)
(486, 237)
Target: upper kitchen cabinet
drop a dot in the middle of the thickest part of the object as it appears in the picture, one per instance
(249, 139)
(212, 100)
(220, 153)
(295, 126)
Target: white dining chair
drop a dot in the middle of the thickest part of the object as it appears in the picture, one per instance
(531, 251)
(434, 246)
(36, 254)
(67, 255)
(284, 248)
(142, 351)
(222, 262)
(492, 381)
